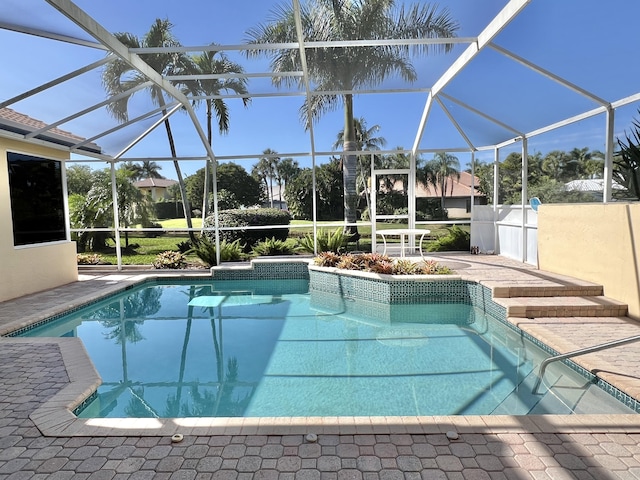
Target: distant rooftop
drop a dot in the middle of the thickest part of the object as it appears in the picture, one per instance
(154, 182)
(17, 122)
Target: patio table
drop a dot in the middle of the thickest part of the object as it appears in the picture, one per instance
(403, 233)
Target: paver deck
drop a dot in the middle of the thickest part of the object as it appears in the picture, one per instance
(33, 372)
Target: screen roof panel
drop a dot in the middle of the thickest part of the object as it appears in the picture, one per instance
(571, 40)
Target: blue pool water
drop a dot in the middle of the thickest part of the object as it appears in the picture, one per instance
(270, 348)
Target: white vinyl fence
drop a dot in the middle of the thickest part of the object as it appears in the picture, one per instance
(503, 230)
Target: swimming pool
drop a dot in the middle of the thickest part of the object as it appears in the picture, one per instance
(271, 349)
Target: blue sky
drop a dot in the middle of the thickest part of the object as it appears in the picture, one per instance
(577, 39)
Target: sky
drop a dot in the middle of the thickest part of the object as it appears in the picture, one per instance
(581, 40)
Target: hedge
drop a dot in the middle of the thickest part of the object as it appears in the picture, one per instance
(165, 210)
(252, 218)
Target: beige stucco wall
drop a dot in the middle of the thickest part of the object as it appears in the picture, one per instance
(29, 269)
(595, 242)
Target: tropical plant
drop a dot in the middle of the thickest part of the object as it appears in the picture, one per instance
(273, 246)
(170, 260)
(456, 239)
(431, 267)
(349, 68)
(216, 63)
(205, 249)
(381, 264)
(95, 210)
(327, 259)
(626, 167)
(119, 76)
(90, 259)
(328, 241)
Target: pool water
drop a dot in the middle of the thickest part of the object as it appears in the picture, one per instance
(271, 349)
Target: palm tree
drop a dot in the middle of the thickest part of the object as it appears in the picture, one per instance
(288, 168)
(216, 63)
(267, 170)
(349, 68)
(118, 76)
(439, 171)
(150, 169)
(365, 140)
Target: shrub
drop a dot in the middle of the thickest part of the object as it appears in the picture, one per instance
(91, 259)
(205, 249)
(170, 260)
(377, 263)
(250, 218)
(327, 241)
(327, 259)
(431, 267)
(457, 239)
(152, 225)
(166, 210)
(273, 246)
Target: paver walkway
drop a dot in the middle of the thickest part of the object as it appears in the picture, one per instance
(549, 448)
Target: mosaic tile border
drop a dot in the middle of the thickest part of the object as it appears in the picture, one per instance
(264, 269)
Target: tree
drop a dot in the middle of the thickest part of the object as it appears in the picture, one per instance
(216, 63)
(148, 169)
(288, 169)
(439, 171)
(246, 189)
(119, 76)
(299, 192)
(266, 170)
(350, 68)
(365, 140)
(235, 186)
(95, 210)
(79, 179)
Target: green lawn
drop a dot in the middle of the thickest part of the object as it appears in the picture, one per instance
(143, 250)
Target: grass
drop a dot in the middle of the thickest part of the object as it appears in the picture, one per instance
(146, 251)
(147, 248)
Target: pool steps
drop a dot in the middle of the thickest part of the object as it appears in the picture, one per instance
(566, 299)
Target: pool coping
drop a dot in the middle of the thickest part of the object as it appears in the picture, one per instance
(55, 417)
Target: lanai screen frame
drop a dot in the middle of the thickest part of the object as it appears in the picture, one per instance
(104, 40)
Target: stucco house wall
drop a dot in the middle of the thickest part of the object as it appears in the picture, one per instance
(599, 243)
(32, 268)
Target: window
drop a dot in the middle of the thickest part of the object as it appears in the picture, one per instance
(37, 199)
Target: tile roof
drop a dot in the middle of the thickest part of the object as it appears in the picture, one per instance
(461, 187)
(20, 123)
(154, 182)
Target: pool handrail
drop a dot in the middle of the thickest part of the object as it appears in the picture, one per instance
(575, 353)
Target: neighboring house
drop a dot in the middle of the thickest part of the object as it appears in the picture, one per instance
(35, 243)
(594, 186)
(278, 198)
(157, 188)
(457, 200)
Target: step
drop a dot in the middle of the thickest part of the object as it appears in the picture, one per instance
(573, 306)
(542, 288)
